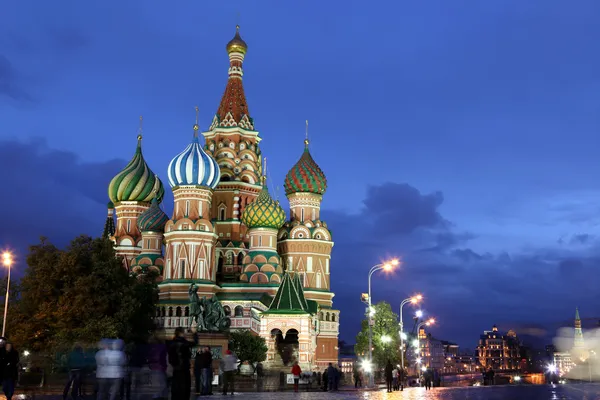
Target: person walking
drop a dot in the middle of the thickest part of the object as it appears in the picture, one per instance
(296, 372)
(157, 362)
(180, 354)
(110, 364)
(389, 375)
(76, 363)
(395, 379)
(229, 367)
(10, 370)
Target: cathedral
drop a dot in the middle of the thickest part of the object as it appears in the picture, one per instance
(229, 237)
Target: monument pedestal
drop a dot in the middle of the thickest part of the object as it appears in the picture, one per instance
(218, 343)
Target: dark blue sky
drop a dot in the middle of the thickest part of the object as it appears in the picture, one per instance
(461, 136)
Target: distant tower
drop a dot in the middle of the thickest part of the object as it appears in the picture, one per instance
(263, 217)
(305, 241)
(151, 224)
(233, 142)
(131, 191)
(578, 344)
(190, 236)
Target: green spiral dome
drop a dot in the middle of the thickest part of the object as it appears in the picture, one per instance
(305, 176)
(136, 182)
(263, 212)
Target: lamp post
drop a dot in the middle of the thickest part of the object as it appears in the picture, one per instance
(388, 266)
(7, 261)
(412, 300)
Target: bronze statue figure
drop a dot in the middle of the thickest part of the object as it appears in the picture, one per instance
(207, 313)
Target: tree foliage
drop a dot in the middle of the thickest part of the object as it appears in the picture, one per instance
(385, 326)
(80, 294)
(248, 347)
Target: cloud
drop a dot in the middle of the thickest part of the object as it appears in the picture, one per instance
(467, 290)
(9, 82)
(50, 193)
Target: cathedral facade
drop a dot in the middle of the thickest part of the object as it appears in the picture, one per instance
(229, 237)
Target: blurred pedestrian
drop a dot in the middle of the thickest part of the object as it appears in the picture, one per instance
(157, 362)
(10, 370)
(389, 377)
(296, 372)
(110, 369)
(76, 363)
(180, 354)
(229, 363)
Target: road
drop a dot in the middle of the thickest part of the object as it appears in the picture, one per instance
(524, 392)
(519, 392)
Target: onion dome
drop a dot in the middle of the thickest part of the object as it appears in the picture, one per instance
(153, 219)
(263, 212)
(194, 167)
(305, 176)
(136, 182)
(237, 44)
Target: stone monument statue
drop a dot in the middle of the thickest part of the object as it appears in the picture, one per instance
(208, 314)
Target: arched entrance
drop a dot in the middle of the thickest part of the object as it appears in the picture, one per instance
(286, 346)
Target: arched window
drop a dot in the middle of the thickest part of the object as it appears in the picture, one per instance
(170, 311)
(238, 311)
(327, 317)
(163, 312)
(222, 214)
(178, 312)
(187, 208)
(321, 315)
(302, 214)
(332, 317)
(240, 258)
(187, 312)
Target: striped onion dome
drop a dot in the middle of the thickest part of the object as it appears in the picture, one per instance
(136, 182)
(263, 212)
(305, 176)
(194, 167)
(153, 219)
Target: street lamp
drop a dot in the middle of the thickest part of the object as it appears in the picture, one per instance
(7, 261)
(412, 300)
(386, 339)
(387, 266)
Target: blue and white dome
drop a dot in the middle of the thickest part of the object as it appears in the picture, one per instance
(194, 167)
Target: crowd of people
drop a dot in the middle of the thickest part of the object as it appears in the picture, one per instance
(121, 375)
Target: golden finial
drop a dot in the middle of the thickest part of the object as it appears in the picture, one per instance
(196, 127)
(306, 136)
(264, 175)
(237, 44)
(140, 128)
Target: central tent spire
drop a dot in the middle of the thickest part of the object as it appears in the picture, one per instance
(233, 110)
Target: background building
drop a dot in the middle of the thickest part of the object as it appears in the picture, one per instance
(499, 351)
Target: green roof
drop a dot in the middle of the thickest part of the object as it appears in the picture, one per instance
(298, 285)
(288, 299)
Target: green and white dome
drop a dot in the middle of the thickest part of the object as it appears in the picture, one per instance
(136, 182)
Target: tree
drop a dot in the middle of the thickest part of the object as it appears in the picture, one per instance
(81, 294)
(386, 337)
(248, 347)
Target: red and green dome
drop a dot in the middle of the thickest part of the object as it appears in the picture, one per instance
(305, 176)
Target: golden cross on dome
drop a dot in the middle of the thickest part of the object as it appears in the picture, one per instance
(196, 127)
(141, 127)
(264, 175)
(306, 136)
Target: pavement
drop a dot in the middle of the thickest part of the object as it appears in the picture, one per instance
(582, 391)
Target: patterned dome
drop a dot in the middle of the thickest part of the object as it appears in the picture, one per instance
(194, 167)
(153, 219)
(305, 176)
(136, 182)
(264, 212)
